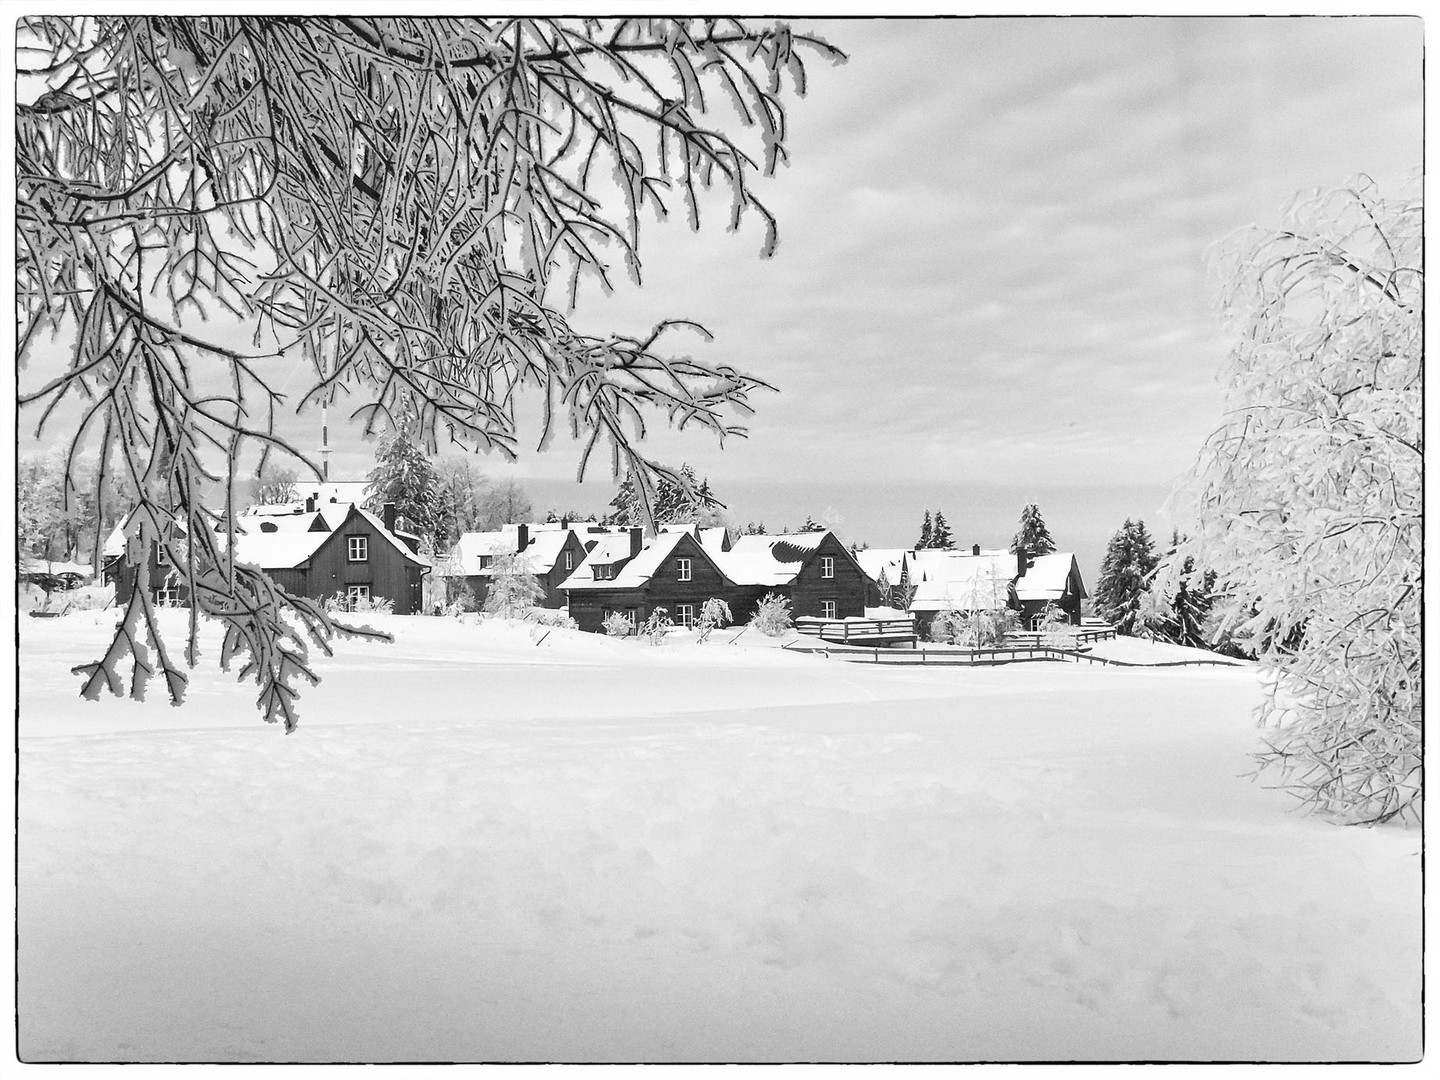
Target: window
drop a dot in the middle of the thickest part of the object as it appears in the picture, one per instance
(357, 548)
(168, 596)
(827, 566)
(686, 612)
(356, 592)
(604, 571)
(485, 561)
(827, 609)
(569, 560)
(684, 565)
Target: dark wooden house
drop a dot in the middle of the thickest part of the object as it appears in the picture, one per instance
(814, 570)
(552, 554)
(673, 571)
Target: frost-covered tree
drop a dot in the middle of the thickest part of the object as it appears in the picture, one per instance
(772, 615)
(275, 485)
(940, 533)
(405, 476)
(925, 532)
(714, 613)
(401, 210)
(681, 499)
(513, 586)
(1306, 502)
(1034, 534)
(1130, 560)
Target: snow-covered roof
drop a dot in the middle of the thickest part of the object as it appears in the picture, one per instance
(287, 549)
(544, 549)
(29, 564)
(465, 555)
(769, 560)
(263, 519)
(1046, 579)
(960, 580)
(333, 491)
(634, 573)
(889, 561)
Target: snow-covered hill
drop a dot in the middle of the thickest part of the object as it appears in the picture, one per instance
(481, 845)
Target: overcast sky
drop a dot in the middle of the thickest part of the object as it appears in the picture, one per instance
(991, 272)
(991, 283)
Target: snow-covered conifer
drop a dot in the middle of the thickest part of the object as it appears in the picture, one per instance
(1034, 535)
(940, 533)
(925, 532)
(1129, 561)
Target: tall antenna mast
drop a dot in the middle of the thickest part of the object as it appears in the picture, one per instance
(324, 442)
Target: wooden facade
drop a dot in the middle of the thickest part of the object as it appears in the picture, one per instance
(681, 593)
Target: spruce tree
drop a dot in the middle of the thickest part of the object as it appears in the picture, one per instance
(1034, 535)
(940, 533)
(1129, 561)
(925, 527)
(403, 475)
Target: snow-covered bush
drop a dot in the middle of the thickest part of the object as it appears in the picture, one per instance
(550, 617)
(986, 629)
(513, 586)
(772, 615)
(340, 602)
(713, 613)
(1056, 630)
(947, 627)
(657, 625)
(1306, 502)
(617, 625)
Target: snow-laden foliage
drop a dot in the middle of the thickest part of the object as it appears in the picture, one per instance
(405, 207)
(616, 624)
(1033, 535)
(948, 626)
(772, 615)
(1130, 560)
(513, 586)
(405, 476)
(678, 499)
(657, 625)
(1306, 502)
(714, 613)
(940, 536)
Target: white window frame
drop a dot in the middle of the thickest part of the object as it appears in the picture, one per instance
(569, 560)
(827, 566)
(357, 549)
(829, 609)
(357, 591)
(168, 596)
(604, 572)
(686, 614)
(683, 566)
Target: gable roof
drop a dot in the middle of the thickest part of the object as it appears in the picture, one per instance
(634, 574)
(1049, 577)
(290, 550)
(954, 579)
(889, 561)
(769, 559)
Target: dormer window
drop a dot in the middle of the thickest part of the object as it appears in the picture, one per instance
(684, 567)
(604, 571)
(486, 560)
(827, 566)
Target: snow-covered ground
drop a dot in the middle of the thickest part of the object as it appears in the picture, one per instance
(481, 847)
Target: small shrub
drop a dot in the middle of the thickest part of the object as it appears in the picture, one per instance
(1056, 632)
(656, 625)
(550, 617)
(713, 613)
(772, 615)
(513, 586)
(617, 625)
(948, 626)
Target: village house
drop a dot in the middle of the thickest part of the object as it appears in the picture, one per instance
(625, 574)
(981, 580)
(813, 570)
(551, 553)
(319, 552)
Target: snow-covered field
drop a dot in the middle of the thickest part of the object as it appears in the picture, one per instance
(480, 848)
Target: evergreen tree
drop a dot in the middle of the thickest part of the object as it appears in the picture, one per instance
(940, 533)
(925, 527)
(403, 475)
(1129, 561)
(672, 505)
(1034, 535)
(811, 525)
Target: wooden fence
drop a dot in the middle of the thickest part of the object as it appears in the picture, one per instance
(984, 657)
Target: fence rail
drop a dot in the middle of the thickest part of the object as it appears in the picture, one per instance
(983, 657)
(846, 631)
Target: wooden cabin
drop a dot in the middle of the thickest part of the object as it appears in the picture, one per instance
(814, 570)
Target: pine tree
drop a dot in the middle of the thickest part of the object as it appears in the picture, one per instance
(1130, 559)
(940, 533)
(925, 527)
(1034, 535)
(403, 475)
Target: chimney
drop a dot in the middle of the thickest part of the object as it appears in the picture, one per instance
(1020, 562)
(975, 550)
(522, 537)
(564, 523)
(636, 539)
(310, 504)
(387, 516)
